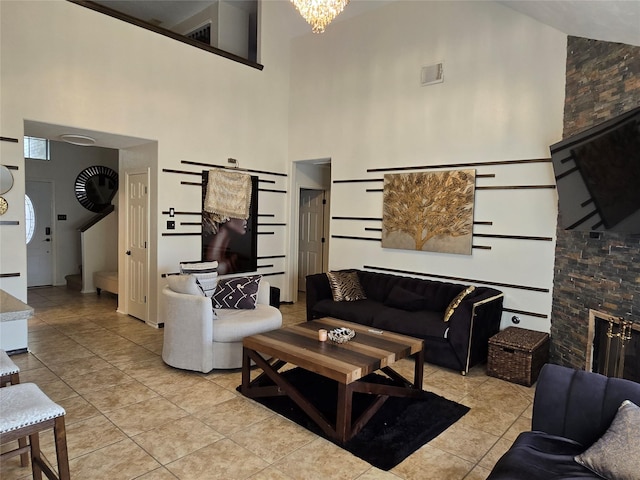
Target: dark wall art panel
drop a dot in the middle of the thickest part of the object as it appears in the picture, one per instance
(233, 242)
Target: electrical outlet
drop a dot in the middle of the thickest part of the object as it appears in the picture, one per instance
(171, 225)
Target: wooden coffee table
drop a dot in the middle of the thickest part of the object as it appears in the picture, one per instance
(346, 363)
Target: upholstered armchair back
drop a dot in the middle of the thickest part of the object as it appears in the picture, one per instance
(577, 404)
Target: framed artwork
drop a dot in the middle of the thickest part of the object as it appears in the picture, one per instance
(233, 242)
(429, 211)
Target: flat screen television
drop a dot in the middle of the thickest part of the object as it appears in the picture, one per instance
(598, 176)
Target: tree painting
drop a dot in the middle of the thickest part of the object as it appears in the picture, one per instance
(429, 211)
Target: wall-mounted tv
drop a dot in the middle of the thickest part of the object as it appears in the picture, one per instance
(598, 176)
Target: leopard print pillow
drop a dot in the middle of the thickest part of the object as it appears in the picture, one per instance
(345, 286)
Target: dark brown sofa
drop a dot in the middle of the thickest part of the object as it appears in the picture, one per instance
(459, 344)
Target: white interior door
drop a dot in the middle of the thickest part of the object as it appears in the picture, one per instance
(311, 247)
(137, 261)
(40, 248)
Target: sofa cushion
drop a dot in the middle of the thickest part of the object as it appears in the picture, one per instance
(405, 299)
(416, 324)
(617, 453)
(233, 325)
(345, 286)
(206, 275)
(184, 283)
(237, 292)
(360, 311)
(540, 456)
(451, 308)
(437, 295)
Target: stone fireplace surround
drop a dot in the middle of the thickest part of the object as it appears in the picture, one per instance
(594, 271)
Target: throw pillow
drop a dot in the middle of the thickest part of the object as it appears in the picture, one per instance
(456, 301)
(345, 286)
(205, 273)
(616, 455)
(405, 300)
(237, 292)
(184, 283)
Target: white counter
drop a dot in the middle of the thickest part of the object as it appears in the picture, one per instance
(14, 315)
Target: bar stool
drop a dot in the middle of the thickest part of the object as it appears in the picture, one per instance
(26, 411)
(9, 371)
(10, 374)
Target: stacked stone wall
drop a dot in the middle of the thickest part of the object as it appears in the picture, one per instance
(600, 271)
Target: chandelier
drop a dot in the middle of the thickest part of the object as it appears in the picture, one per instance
(319, 13)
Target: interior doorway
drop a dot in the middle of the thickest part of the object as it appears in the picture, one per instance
(310, 221)
(134, 155)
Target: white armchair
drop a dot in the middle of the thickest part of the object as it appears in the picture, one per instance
(196, 339)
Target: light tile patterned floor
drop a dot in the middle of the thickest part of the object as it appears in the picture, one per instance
(129, 416)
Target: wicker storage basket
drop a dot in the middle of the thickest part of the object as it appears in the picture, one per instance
(517, 355)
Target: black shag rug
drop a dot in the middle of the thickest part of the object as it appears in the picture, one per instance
(399, 428)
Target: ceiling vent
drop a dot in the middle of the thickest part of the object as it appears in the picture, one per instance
(431, 74)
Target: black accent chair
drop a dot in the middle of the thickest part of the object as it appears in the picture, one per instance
(572, 409)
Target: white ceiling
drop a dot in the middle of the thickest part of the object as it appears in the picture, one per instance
(609, 20)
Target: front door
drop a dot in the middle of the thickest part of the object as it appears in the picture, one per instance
(137, 262)
(40, 248)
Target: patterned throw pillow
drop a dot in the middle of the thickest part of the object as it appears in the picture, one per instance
(237, 292)
(345, 286)
(206, 275)
(616, 455)
(456, 301)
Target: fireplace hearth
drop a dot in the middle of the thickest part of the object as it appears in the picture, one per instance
(613, 346)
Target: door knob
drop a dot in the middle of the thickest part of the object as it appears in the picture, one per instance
(47, 239)
(128, 252)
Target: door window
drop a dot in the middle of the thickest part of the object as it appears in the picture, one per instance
(30, 217)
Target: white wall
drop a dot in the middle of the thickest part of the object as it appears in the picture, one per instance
(356, 98)
(233, 29)
(121, 79)
(13, 249)
(99, 250)
(229, 27)
(199, 20)
(67, 161)
(352, 95)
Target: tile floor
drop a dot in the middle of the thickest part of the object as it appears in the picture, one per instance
(129, 416)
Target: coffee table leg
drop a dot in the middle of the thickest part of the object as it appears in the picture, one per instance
(246, 370)
(343, 412)
(419, 370)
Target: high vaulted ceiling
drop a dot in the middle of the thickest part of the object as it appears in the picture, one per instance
(610, 20)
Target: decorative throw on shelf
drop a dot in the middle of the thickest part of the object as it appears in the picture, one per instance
(228, 195)
(229, 220)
